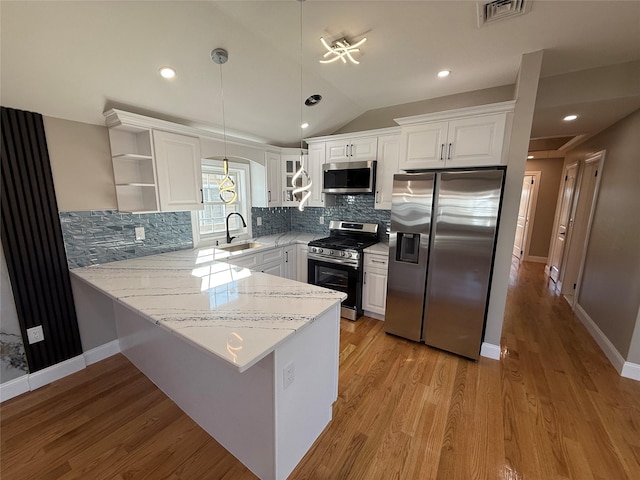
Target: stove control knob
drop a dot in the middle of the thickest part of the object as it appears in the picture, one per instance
(348, 255)
(342, 254)
(320, 250)
(330, 252)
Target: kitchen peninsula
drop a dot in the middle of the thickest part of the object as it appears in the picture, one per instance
(252, 358)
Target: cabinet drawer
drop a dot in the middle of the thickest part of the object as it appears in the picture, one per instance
(270, 255)
(247, 261)
(376, 261)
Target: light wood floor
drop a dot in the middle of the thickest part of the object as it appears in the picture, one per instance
(552, 408)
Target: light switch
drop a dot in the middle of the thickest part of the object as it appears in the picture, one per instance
(259, 221)
(139, 233)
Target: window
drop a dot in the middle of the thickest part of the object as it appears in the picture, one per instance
(209, 224)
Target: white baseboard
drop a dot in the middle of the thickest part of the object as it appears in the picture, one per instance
(103, 351)
(630, 370)
(32, 381)
(490, 350)
(531, 258)
(601, 339)
(56, 372)
(14, 387)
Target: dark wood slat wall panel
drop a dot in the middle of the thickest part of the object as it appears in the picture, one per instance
(32, 241)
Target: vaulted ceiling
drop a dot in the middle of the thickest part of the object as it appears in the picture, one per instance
(73, 60)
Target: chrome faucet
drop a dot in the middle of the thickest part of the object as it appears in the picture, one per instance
(244, 224)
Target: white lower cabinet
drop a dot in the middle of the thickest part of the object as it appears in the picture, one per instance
(280, 261)
(303, 266)
(273, 268)
(290, 264)
(374, 294)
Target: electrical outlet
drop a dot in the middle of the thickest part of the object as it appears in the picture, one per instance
(288, 374)
(35, 334)
(321, 220)
(259, 221)
(139, 233)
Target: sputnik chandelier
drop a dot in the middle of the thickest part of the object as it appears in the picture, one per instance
(341, 50)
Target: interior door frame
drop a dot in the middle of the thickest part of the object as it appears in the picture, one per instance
(596, 157)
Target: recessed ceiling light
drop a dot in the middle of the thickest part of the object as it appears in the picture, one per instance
(167, 72)
(444, 73)
(304, 125)
(529, 157)
(570, 118)
(313, 100)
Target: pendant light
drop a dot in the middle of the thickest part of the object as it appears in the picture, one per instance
(304, 190)
(226, 186)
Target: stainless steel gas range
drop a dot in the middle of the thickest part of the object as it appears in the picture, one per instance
(336, 262)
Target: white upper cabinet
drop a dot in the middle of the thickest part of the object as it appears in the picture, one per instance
(423, 145)
(468, 138)
(387, 167)
(314, 166)
(179, 171)
(290, 165)
(351, 149)
(154, 170)
(266, 188)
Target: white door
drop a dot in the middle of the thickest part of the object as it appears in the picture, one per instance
(475, 141)
(583, 210)
(388, 155)
(315, 162)
(423, 146)
(523, 216)
(564, 220)
(179, 171)
(274, 166)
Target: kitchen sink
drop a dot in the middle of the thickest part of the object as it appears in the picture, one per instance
(239, 246)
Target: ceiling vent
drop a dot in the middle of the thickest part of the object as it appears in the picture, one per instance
(491, 12)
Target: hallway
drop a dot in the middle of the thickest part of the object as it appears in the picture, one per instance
(551, 408)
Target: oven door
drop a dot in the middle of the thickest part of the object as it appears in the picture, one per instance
(343, 278)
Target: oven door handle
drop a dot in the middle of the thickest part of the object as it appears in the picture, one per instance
(338, 261)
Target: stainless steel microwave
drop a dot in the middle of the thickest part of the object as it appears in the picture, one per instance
(349, 177)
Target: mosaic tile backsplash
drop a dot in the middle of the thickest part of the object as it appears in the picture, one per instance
(103, 236)
(356, 208)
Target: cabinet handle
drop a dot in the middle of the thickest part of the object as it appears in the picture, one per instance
(269, 196)
(286, 257)
(201, 196)
(442, 151)
(378, 261)
(449, 152)
(365, 278)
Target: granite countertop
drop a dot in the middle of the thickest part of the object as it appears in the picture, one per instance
(231, 312)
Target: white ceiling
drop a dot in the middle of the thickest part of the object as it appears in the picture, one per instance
(73, 60)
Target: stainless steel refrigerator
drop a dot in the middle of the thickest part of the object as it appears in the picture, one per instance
(441, 252)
